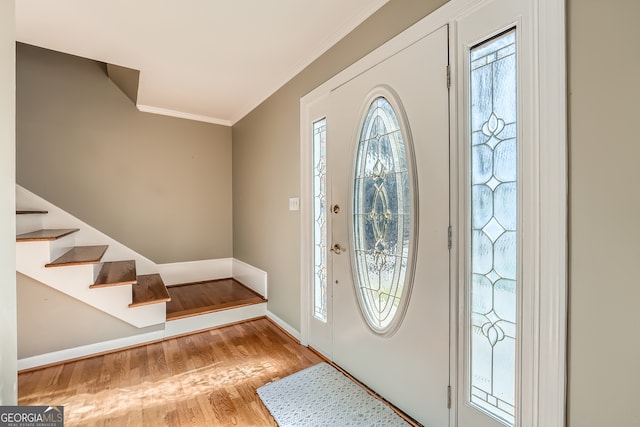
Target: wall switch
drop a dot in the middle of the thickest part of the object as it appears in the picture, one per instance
(294, 204)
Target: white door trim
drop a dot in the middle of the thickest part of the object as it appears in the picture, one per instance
(543, 401)
(551, 335)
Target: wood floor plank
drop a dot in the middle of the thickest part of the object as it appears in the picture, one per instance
(209, 378)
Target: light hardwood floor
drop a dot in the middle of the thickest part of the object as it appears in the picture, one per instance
(204, 379)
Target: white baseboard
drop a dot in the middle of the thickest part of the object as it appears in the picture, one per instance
(284, 325)
(250, 276)
(196, 271)
(172, 328)
(88, 350)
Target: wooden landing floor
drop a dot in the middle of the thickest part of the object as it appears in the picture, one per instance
(205, 297)
(204, 379)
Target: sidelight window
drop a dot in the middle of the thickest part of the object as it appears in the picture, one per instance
(320, 220)
(494, 226)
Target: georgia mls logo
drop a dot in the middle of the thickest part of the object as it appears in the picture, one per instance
(57, 409)
(31, 416)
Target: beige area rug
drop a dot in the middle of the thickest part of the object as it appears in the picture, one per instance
(323, 396)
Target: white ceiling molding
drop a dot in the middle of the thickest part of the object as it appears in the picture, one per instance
(182, 115)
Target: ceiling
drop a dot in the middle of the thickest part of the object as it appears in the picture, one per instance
(208, 60)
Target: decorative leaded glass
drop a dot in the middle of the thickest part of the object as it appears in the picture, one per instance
(494, 201)
(382, 203)
(320, 220)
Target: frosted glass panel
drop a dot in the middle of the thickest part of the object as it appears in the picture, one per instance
(494, 201)
(381, 216)
(320, 220)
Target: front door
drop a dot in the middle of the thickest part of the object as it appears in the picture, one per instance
(388, 168)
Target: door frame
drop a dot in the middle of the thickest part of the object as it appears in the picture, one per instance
(543, 369)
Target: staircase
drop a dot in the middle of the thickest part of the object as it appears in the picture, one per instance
(69, 255)
(51, 256)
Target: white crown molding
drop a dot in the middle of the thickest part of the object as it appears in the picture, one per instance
(182, 115)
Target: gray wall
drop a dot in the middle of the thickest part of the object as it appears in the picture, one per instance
(43, 311)
(8, 350)
(160, 185)
(266, 158)
(604, 144)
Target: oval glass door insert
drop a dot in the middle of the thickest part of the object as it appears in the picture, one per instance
(383, 234)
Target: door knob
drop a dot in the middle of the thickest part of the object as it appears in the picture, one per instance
(337, 249)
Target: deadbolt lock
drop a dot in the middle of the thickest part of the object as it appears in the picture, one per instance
(335, 209)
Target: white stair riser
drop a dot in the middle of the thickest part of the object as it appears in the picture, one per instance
(28, 223)
(58, 247)
(212, 320)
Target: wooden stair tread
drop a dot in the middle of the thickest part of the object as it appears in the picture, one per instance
(80, 255)
(116, 273)
(31, 212)
(44, 235)
(150, 289)
(193, 299)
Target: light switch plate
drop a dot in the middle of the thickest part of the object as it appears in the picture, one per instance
(294, 204)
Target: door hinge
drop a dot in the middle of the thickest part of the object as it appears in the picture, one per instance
(449, 237)
(448, 77)
(449, 397)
